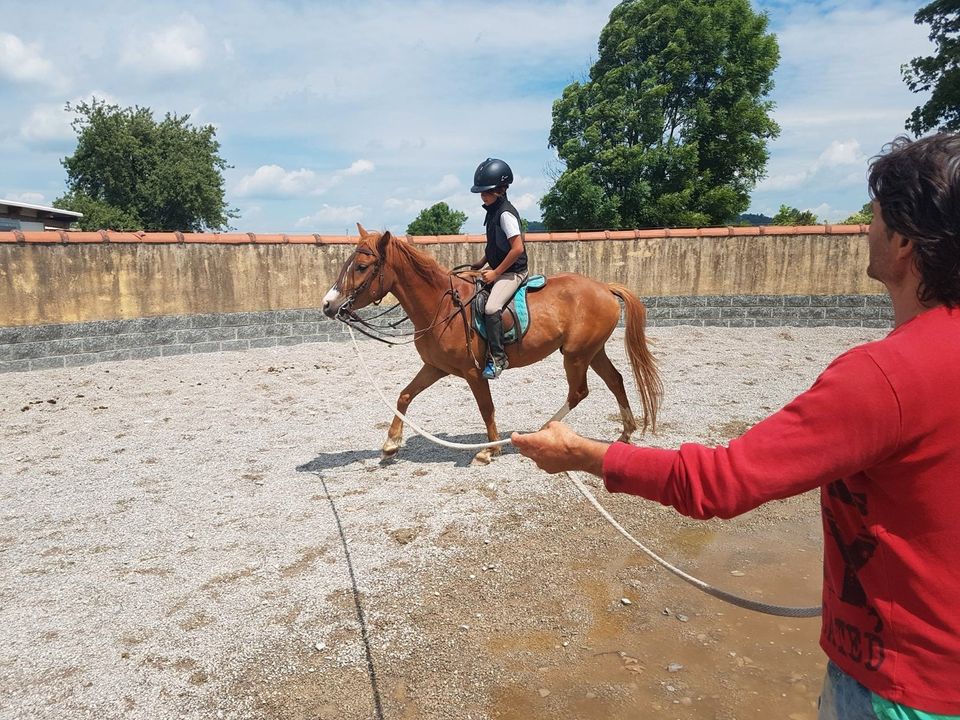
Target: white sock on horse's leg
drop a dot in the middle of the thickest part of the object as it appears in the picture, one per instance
(629, 424)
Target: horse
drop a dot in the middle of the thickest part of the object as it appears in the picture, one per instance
(572, 313)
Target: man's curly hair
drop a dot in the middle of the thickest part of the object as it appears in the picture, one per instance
(917, 184)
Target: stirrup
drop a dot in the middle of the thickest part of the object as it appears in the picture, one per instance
(492, 370)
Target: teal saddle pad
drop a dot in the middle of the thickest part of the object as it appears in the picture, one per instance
(517, 307)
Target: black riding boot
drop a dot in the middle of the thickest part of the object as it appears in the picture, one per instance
(493, 324)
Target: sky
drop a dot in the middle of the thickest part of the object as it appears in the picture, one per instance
(331, 112)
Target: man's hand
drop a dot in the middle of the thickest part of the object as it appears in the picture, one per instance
(489, 276)
(557, 448)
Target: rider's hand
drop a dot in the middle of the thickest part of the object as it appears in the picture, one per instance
(489, 276)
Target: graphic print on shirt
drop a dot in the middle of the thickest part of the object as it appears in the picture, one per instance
(863, 643)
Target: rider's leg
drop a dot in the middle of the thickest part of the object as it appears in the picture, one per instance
(500, 293)
(493, 324)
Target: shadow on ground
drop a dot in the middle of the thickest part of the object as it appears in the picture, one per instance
(416, 449)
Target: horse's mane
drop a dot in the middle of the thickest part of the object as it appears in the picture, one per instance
(423, 264)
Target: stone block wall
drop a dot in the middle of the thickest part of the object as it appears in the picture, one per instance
(35, 347)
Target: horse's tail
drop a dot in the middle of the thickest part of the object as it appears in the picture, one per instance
(644, 365)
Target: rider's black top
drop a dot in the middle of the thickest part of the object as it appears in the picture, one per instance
(498, 244)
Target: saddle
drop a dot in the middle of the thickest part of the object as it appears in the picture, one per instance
(516, 313)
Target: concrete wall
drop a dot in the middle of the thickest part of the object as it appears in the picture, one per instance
(66, 277)
(76, 298)
(83, 282)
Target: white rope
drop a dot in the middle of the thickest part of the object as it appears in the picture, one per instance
(419, 430)
(780, 610)
(767, 608)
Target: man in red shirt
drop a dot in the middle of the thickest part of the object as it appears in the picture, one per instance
(879, 434)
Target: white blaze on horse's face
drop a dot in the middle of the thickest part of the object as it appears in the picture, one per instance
(332, 302)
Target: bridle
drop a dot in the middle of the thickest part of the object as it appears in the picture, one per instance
(347, 315)
(377, 272)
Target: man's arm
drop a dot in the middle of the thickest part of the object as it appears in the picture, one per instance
(845, 424)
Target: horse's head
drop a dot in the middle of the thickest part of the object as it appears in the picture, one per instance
(364, 278)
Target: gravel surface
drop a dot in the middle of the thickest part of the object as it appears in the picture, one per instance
(171, 535)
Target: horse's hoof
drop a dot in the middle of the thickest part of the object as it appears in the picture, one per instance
(481, 458)
(389, 451)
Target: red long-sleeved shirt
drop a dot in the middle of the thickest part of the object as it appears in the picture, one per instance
(879, 434)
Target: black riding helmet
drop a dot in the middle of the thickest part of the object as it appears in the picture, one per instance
(490, 174)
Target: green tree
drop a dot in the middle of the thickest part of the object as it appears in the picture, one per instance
(130, 172)
(863, 217)
(438, 219)
(754, 219)
(939, 73)
(672, 126)
(792, 216)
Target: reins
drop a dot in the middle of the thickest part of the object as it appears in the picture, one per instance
(745, 603)
(349, 317)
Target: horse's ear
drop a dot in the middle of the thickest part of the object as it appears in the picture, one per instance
(382, 242)
(363, 231)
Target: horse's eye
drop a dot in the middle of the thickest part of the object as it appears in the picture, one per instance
(361, 268)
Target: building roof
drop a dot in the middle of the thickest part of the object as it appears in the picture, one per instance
(56, 212)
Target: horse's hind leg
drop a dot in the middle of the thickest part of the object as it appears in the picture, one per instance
(427, 376)
(614, 380)
(575, 367)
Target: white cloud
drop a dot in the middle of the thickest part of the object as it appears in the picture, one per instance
(52, 123)
(358, 167)
(328, 214)
(174, 49)
(30, 198)
(407, 206)
(274, 181)
(841, 152)
(787, 181)
(24, 63)
(47, 123)
(525, 201)
(825, 212)
(447, 184)
(838, 154)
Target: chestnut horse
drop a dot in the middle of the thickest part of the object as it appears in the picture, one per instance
(572, 313)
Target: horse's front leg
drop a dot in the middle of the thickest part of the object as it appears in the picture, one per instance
(427, 376)
(481, 392)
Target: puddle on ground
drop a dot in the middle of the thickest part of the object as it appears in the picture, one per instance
(675, 651)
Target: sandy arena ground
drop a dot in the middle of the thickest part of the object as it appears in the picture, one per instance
(214, 536)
